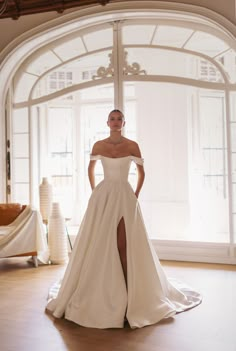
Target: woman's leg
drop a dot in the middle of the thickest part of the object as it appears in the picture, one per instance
(121, 243)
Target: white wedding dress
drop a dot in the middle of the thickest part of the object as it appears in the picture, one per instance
(93, 291)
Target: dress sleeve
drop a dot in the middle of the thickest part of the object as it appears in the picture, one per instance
(138, 160)
(95, 157)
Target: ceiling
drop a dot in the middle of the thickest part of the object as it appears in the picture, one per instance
(16, 8)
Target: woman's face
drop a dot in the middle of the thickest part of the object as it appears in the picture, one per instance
(115, 121)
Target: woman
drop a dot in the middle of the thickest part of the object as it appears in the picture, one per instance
(114, 273)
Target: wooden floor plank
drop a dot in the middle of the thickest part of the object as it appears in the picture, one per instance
(24, 325)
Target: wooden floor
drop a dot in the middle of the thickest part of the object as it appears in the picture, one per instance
(24, 325)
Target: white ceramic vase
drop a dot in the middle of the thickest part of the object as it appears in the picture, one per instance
(45, 199)
(57, 239)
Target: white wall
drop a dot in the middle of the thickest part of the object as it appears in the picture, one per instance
(11, 29)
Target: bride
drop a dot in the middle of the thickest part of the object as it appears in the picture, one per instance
(114, 273)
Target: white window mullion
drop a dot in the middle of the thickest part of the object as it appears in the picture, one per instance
(118, 66)
(229, 118)
(8, 111)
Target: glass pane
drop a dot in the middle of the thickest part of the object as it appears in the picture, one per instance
(206, 43)
(171, 36)
(233, 137)
(23, 87)
(160, 62)
(20, 121)
(234, 226)
(163, 140)
(130, 124)
(21, 193)
(130, 113)
(233, 156)
(185, 192)
(21, 145)
(138, 34)
(99, 93)
(60, 156)
(20, 170)
(99, 39)
(234, 197)
(70, 48)
(83, 70)
(233, 106)
(42, 63)
(234, 167)
(228, 61)
(209, 173)
(129, 91)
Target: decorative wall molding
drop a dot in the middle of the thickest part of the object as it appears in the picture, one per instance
(133, 69)
(103, 72)
(195, 252)
(15, 8)
(3, 6)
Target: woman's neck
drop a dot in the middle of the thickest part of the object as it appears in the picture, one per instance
(115, 138)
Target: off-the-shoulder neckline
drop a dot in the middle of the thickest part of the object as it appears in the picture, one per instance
(115, 158)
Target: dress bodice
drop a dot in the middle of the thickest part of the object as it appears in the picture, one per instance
(116, 169)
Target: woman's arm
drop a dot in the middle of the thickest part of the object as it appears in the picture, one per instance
(141, 176)
(140, 170)
(91, 166)
(91, 175)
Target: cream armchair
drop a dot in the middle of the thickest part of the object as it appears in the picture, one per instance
(22, 233)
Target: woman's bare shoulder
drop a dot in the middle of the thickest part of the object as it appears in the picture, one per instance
(98, 143)
(98, 147)
(129, 141)
(133, 147)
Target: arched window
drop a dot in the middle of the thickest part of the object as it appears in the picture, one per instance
(175, 79)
